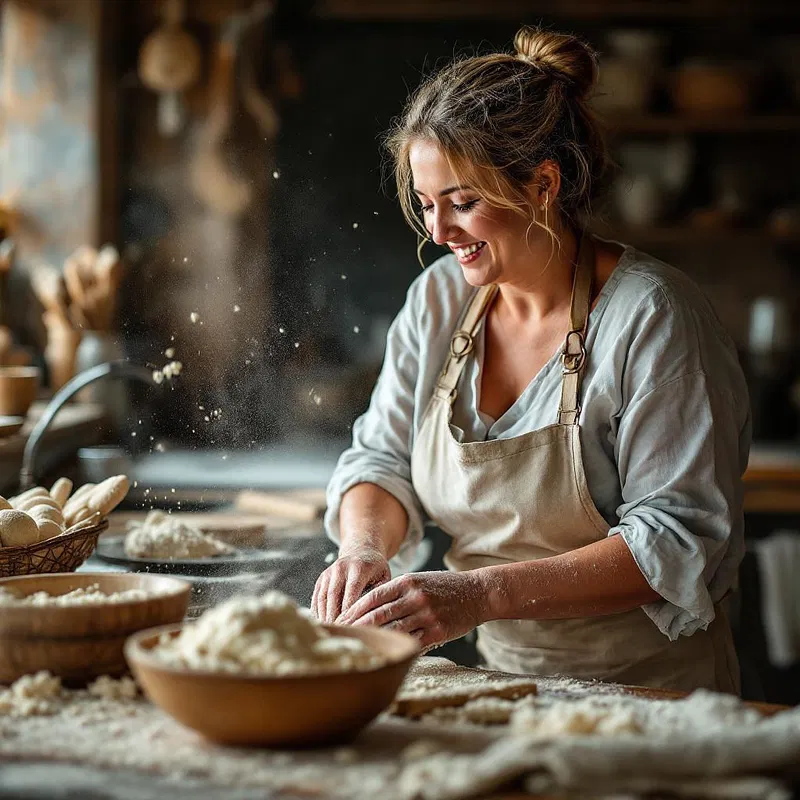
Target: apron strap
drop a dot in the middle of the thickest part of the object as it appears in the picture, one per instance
(462, 343)
(573, 356)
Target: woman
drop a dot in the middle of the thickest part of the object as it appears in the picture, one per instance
(567, 409)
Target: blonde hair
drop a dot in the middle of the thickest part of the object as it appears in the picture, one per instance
(498, 117)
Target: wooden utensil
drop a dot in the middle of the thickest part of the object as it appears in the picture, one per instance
(314, 710)
(169, 63)
(303, 505)
(79, 643)
(212, 179)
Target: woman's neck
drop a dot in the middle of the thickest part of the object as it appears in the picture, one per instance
(545, 287)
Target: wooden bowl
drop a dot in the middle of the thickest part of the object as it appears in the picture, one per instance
(298, 711)
(18, 389)
(78, 643)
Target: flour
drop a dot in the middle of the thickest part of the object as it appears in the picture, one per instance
(266, 635)
(82, 596)
(396, 759)
(160, 536)
(107, 688)
(31, 695)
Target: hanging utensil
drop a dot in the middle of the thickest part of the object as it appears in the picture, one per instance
(169, 63)
(212, 179)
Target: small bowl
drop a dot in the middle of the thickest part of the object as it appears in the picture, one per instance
(78, 643)
(18, 389)
(297, 711)
(103, 461)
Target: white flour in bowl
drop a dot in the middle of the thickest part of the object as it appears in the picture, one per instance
(83, 596)
(265, 635)
(160, 536)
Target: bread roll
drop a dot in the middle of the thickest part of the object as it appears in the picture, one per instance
(17, 528)
(77, 500)
(4, 504)
(106, 496)
(37, 500)
(48, 529)
(60, 490)
(36, 491)
(41, 512)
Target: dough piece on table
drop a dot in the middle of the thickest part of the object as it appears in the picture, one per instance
(60, 490)
(106, 496)
(4, 504)
(17, 528)
(159, 536)
(36, 491)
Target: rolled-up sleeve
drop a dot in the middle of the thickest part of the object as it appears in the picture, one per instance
(680, 448)
(380, 452)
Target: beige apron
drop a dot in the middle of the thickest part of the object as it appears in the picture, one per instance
(524, 498)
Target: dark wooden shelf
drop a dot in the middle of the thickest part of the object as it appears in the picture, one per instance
(717, 123)
(522, 11)
(677, 235)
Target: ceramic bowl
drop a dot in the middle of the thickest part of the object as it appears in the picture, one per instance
(78, 643)
(18, 389)
(297, 711)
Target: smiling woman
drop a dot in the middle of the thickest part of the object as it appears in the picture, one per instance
(568, 409)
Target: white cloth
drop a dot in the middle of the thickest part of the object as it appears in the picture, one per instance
(778, 558)
(665, 427)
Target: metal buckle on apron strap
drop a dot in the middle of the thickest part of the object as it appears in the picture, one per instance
(457, 351)
(573, 361)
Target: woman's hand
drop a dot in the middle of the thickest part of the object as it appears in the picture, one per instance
(435, 607)
(344, 581)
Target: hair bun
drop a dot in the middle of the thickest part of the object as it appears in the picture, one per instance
(565, 57)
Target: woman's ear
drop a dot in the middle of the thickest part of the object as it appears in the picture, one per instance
(547, 183)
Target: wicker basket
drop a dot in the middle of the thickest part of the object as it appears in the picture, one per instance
(63, 553)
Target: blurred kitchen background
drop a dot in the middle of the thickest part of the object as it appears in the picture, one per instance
(202, 182)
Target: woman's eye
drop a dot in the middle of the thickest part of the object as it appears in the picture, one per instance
(465, 206)
(425, 209)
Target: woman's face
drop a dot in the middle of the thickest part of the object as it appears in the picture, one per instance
(493, 245)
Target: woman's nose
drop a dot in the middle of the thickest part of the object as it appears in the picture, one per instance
(440, 227)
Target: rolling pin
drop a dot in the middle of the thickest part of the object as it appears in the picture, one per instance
(303, 505)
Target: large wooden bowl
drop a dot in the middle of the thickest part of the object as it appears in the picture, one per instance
(282, 711)
(78, 643)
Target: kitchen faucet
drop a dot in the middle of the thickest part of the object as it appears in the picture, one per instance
(113, 369)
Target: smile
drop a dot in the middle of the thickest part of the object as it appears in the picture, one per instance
(469, 253)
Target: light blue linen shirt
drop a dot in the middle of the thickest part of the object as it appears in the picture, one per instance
(664, 427)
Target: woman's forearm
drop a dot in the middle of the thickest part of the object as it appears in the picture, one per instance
(601, 578)
(371, 517)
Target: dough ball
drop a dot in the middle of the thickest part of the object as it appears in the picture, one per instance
(17, 528)
(48, 529)
(42, 512)
(106, 496)
(60, 490)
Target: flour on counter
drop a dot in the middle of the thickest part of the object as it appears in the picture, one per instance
(265, 635)
(31, 695)
(82, 596)
(160, 536)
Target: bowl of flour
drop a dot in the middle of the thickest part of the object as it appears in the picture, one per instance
(74, 625)
(261, 671)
